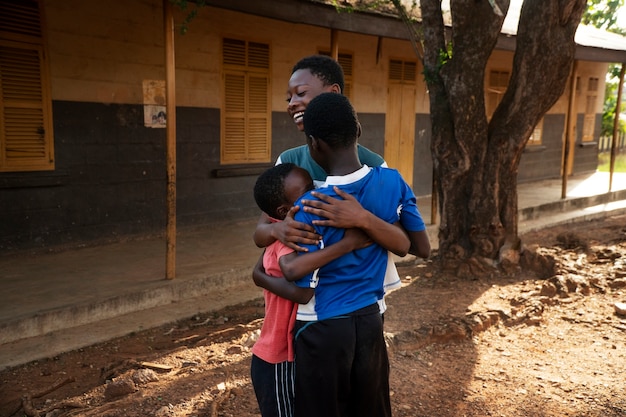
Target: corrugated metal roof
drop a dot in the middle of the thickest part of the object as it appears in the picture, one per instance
(592, 44)
(591, 36)
(585, 35)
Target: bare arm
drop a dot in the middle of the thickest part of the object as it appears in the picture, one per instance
(289, 232)
(420, 244)
(348, 213)
(296, 266)
(280, 286)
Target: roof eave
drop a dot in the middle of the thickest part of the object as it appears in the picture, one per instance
(318, 14)
(323, 15)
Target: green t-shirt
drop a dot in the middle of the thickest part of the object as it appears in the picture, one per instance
(301, 156)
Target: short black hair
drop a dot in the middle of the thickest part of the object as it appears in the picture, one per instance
(330, 117)
(323, 67)
(269, 191)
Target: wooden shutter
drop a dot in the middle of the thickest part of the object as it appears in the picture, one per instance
(345, 60)
(496, 87)
(246, 132)
(26, 140)
(536, 136)
(403, 72)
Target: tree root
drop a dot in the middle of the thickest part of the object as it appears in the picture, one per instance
(526, 310)
(113, 370)
(223, 396)
(218, 401)
(27, 406)
(446, 331)
(27, 400)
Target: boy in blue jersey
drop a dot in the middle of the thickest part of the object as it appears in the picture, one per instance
(272, 367)
(342, 366)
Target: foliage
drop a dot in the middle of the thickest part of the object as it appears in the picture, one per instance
(369, 5)
(362, 6)
(603, 15)
(182, 5)
(445, 55)
(605, 162)
(610, 105)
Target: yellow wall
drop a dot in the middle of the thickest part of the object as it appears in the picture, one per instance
(588, 70)
(504, 60)
(102, 54)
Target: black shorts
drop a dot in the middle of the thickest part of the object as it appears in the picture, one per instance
(342, 368)
(274, 387)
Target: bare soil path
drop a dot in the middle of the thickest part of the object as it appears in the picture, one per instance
(516, 346)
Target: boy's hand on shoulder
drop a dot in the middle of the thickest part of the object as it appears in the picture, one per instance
(343, 213)
(292, 233)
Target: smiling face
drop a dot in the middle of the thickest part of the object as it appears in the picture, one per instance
(304, 87)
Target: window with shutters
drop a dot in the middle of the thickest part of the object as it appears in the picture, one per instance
(246, 110)
(402, 72)
(346, 61)
(590, 110)
(497, 83)
(535, 137)
(26, 140)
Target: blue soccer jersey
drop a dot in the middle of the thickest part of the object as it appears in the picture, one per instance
(355, 280)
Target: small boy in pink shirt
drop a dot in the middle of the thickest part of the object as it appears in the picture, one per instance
(272, 368)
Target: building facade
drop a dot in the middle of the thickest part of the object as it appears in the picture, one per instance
(83, 145)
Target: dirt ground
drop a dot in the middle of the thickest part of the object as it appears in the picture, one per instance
(510, 346)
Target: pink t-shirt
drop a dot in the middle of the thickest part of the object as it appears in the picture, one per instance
(275, 345)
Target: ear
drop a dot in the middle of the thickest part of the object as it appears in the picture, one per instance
(314, 143)
(334, 88)
(282, 211)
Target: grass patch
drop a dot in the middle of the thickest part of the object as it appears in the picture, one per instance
(604, 162)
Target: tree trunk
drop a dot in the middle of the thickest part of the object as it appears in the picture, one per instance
(476, 161)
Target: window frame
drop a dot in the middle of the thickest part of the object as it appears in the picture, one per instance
(589, 121)
(494, 95)
(405, 71)
(344, 57)
(26, 123)
(246, 119)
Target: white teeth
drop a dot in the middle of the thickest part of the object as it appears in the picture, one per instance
(297, 117)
